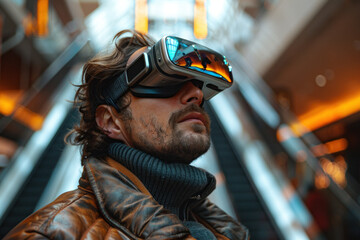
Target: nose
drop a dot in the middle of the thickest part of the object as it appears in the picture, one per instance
(191, 94)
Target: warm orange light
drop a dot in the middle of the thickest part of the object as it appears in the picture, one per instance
(141, 16)
(334, 146)
(29, 118)
(321, 180)
(298, 129)
(337, 145)
(28, 24)
(7, 105)
(200, 21)
(325, 115)
(8, 100)
(335, 170)
(42, 17)
(341, 162)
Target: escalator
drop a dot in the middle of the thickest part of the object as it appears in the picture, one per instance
(26, 174)
(30, 193)
(245, 199)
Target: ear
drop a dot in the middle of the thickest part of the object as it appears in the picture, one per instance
(107, 119)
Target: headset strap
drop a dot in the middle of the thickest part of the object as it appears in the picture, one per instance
(115, 90)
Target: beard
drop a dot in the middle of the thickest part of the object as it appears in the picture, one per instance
(181, 145)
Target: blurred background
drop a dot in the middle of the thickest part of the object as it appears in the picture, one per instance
(286, 136)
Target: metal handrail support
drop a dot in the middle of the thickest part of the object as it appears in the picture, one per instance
(13, 177)
(24, 161)
(58, 64)
(13, 41)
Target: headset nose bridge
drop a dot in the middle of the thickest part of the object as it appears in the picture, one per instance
(191, 93)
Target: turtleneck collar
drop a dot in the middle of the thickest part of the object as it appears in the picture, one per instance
(171, 184)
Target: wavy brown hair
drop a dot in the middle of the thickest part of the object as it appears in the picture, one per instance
(97, 73)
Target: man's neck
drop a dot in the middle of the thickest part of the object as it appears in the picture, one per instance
(173, 185)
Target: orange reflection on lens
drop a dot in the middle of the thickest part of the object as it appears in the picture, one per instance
(207, 61)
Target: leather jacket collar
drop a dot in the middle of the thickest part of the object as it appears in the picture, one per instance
(126, 204)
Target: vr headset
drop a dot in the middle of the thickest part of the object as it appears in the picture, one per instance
(162, 69)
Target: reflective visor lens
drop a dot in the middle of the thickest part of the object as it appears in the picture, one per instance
(199, 58)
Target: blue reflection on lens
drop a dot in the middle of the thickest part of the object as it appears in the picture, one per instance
(172, 46)
(227, 64)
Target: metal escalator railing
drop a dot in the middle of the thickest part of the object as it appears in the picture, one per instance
(284, 214)
(271, 153)
(280, 216)
(245, 199)
(49, 97)
(50, 80)
(29, 195)
(26, 158)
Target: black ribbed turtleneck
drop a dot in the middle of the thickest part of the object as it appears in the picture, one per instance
(171, 184)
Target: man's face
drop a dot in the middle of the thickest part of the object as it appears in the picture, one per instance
(174, 129)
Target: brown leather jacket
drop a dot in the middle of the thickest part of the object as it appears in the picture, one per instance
(112, 203)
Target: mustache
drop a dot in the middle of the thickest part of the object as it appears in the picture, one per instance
(176, 116)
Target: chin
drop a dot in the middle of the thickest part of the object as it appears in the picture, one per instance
(193, 146)
(182, 146)
(185, 147)
(200, 128)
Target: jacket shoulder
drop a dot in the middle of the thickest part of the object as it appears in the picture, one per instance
(219, 222)
(70, 215)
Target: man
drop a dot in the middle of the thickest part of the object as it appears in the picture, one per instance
(142, 124)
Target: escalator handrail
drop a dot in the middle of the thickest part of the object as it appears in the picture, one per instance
(47, 76)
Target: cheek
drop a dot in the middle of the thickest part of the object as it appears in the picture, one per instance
(151, 124)
(149, 110)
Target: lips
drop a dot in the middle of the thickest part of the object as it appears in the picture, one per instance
(193, 116)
